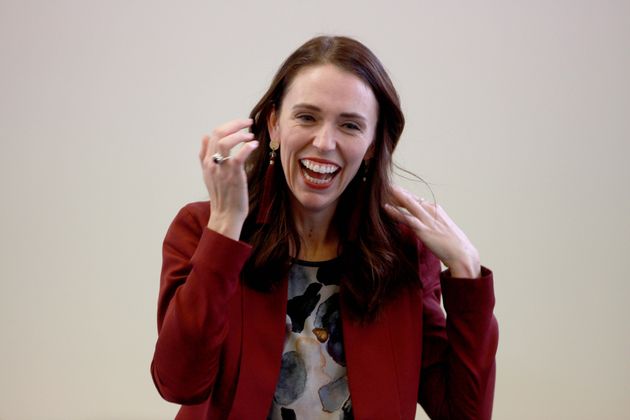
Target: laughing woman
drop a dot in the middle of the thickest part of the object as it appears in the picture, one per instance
(309, 286)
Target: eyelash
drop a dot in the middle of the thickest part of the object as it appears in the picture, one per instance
(310, 118)
(305, 117)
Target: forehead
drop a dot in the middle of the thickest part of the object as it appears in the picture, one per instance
(331, 89)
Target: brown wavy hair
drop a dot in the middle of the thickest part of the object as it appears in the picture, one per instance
(375, 260)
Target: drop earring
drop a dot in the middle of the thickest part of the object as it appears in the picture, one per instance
(265, 201)
(361, 200)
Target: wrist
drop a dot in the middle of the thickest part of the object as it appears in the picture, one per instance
(226, 225)
(467, 266)
(466, 271)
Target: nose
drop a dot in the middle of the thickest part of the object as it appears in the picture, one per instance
(325, 138)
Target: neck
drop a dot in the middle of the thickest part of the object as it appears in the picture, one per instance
(319, 238)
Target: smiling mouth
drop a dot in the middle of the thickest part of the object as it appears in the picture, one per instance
(318, 173)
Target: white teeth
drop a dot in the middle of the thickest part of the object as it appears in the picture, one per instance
(316, 180)
(320, 168)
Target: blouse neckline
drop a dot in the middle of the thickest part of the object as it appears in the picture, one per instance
(313, 263)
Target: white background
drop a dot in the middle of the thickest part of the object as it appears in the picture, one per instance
(518, 115)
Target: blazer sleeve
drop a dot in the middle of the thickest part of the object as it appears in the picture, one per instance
(200, 272)
(458, 357)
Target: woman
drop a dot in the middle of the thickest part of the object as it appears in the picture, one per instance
(309, 286)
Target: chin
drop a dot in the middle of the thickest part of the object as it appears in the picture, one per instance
(315, 202)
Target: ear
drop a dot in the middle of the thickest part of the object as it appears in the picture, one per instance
(272, 125)
(369, 154)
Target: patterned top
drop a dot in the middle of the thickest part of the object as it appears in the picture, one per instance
(313, 383)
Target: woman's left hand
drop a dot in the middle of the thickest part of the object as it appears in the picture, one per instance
(437, 231)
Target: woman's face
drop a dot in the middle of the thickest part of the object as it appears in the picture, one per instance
(325, 127)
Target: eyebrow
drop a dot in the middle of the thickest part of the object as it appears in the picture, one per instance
(318, 109)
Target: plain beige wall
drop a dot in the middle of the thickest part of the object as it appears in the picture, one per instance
(518, 114)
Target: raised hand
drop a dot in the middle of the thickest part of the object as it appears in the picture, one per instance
(437, 231)
(226, 179)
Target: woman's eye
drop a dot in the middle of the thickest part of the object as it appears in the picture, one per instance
(352, 126)
(305, 118)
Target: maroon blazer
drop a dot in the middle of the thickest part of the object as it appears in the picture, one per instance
(220, 342)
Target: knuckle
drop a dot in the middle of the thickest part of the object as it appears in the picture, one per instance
(218, 132)
(209, 165)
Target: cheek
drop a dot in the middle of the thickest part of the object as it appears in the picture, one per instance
(286, 162)
(358, 153)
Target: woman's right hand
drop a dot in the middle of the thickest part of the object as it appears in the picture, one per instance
(227, 181)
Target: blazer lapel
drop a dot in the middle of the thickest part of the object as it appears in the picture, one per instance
(371, 368)
(263, 331)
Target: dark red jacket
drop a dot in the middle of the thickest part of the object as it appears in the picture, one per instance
(220, 343)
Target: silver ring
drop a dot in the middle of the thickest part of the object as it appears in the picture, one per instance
(218, 158)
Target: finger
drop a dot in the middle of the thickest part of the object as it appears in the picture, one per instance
(400, 195)
(225, 144)
(241, 156)
(204, 147)
(405, 199)
(422, 207)
(402, 216)
(230, 128)
(224, 130)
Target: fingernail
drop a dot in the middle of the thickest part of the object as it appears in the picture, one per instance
(254, 143)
